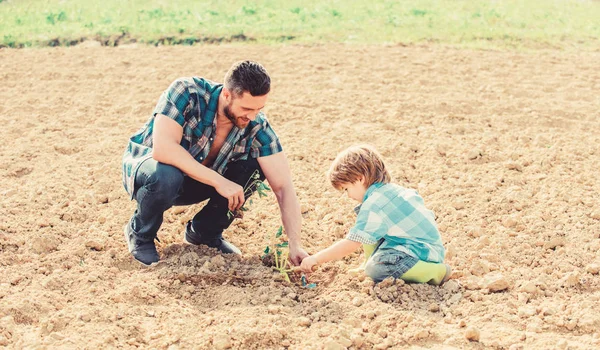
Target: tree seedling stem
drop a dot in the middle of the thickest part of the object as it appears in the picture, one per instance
(254, 182)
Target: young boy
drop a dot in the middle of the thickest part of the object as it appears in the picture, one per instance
(398, 233)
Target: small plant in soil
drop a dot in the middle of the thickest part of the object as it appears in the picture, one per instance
(253, 183)
(276, 255)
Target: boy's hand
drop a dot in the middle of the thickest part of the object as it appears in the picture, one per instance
(308, 263)
(297, 253)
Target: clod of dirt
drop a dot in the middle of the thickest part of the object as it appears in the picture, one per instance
(472, 334)
(44, 244)
(422, 334)
(525, 312)
(451, 286)
(434, 308)
(357, 301)
(554, 242)
(529, 287)
(495, 282)
(458, 204)
(268, 260)
(274, 309)
(333, 345)
(514, 166)
(593, 268)
(221, 342)
(304, 321)
(474, 154)
(218, 260)
(95, 245)
(570, 279)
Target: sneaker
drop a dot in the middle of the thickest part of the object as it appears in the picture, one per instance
(144, 252)
(225, 247)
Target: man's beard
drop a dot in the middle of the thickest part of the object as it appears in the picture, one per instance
(228, 114)
(235, 120)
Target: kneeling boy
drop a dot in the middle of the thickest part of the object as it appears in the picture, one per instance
(393, 225)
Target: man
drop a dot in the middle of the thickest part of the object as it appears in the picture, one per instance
(203, 142)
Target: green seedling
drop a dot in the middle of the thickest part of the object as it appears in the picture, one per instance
(282, 263)
(253, 183)
(280, 253)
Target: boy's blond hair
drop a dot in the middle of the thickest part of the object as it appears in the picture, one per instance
(356, 162)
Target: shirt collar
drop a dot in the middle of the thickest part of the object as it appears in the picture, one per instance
(210, 116)
(369, 191)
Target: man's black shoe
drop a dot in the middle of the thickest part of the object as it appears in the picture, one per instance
(220, 244)
(144, 252)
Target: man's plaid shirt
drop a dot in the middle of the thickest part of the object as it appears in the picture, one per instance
(192, 102)
(399, 217)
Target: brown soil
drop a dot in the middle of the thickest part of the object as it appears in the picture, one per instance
(502, 146)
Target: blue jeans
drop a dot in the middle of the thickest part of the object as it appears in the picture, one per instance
(159, 186)
(389, 263)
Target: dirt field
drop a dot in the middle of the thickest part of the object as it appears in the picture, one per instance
(504, 147)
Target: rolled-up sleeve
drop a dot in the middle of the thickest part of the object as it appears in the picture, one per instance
(370, 225)
(265, 142)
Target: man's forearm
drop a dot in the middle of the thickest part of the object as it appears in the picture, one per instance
(175, 155)
(290, 214)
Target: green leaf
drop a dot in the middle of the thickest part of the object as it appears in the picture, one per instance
(266, 251)
(282, 245)
(279, 232)
(244, 209)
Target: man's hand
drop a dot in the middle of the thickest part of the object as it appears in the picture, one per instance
(232, 191)
(308, 263)
(297, 253)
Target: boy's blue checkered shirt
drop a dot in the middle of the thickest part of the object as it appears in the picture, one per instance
(398, 216)
(192, 102)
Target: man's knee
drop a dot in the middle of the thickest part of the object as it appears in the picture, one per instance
(163, 179)
(240, 171)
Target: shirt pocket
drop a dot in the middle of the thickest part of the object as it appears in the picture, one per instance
(240, 151)
(202, 141)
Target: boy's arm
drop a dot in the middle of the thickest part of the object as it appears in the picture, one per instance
(334, 252)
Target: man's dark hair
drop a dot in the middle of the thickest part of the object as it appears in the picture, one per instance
(248, 76)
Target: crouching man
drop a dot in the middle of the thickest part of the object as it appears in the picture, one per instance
(203, 142)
